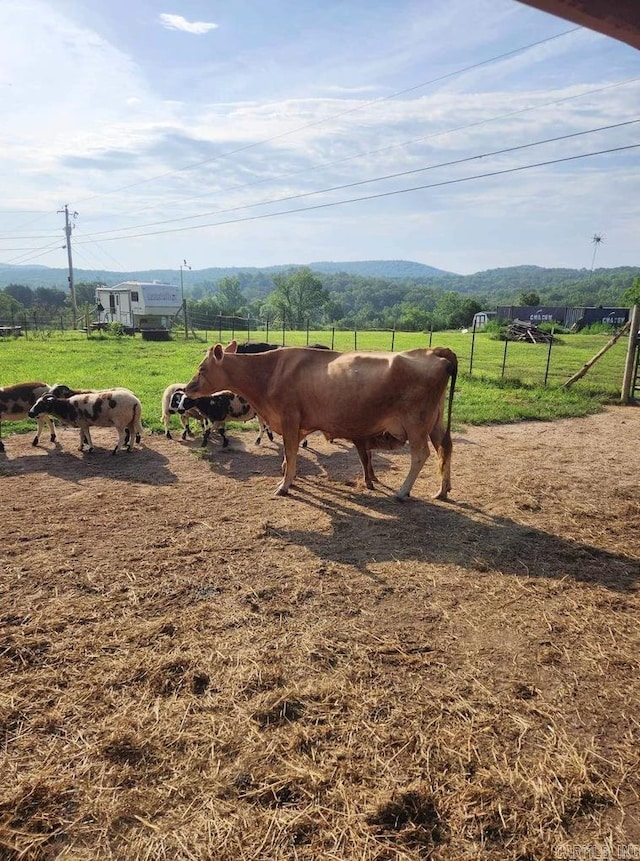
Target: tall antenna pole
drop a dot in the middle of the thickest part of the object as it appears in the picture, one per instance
(68, 227)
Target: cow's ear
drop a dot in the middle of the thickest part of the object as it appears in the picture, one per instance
(232, 347)
(218, 352)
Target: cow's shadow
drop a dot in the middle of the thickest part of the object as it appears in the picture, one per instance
(451, 534)
(372, 526)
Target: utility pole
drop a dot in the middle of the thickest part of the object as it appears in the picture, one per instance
(68, 227)
(184, 265)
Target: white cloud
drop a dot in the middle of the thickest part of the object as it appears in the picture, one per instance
(177, 22)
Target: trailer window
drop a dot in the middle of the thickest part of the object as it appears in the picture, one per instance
(134, 295)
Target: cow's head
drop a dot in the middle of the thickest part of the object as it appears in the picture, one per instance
(203, 381)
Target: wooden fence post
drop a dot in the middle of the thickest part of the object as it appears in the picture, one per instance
(627, 380)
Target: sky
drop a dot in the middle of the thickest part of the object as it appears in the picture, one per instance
(261, 132)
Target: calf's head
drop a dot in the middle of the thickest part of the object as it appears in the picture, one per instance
(41, 405)
(176, 398)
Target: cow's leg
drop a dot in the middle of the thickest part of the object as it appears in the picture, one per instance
(52, 429)
(365, 459)
(419, 448)
(291, 438)
(441, 440)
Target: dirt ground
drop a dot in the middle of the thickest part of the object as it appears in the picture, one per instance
(192, 668)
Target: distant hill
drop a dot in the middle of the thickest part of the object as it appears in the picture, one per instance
(43, 276)
(405, 269)
(491, 287)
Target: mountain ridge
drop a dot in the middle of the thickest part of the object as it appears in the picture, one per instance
(45, 276)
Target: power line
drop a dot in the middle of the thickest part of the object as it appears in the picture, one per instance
(27, 258)
(356, 183)
(362, 107)
(379, 195)
(474, 124)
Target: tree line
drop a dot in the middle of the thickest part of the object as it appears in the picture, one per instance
(299, 297)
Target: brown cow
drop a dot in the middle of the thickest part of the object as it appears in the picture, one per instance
(376, 400)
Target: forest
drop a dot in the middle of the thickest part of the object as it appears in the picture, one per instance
(300, 296)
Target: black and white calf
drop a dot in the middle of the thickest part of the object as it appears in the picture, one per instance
(220, 408)
(118, 408)
(170, 402)
(15, 403)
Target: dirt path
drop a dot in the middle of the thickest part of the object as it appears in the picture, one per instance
(194, 668)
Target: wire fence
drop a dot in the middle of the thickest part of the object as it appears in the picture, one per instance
(480, 354)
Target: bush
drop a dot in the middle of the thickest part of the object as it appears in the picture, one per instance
(116, 329)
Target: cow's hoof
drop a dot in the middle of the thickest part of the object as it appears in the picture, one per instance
(281, 491)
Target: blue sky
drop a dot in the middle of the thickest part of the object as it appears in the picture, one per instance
(259, 132)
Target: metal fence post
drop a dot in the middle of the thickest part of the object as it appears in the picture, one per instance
(504, 356)
(546, 370)
(355, 339)
(333, 336)
(430, 335)
(473, 344)
(393, 337)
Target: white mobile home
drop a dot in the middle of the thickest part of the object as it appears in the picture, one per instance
(139, 305)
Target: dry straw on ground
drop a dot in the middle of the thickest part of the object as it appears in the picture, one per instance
(192, 669)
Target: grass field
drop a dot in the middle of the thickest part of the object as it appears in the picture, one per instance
(485, 395)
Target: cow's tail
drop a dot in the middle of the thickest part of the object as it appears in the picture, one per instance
(453, 376)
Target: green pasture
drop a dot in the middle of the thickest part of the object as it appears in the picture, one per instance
(485, 395)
